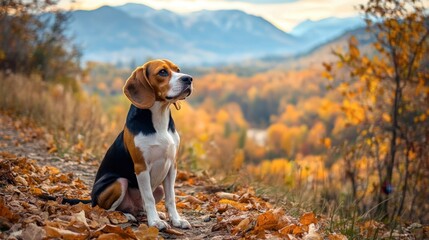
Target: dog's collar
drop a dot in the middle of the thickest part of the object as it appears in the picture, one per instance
(177, 105)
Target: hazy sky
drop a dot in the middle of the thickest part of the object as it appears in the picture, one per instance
(285, 14)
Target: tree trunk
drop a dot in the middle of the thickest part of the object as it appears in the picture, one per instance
(384, 205)
(405, 187)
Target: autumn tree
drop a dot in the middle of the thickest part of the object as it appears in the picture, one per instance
(33, 40)
(386, 98)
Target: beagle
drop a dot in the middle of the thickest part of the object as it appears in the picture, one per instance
(140, 166)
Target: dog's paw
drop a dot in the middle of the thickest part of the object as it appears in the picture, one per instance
(162, 215)
(160, 224)
(130, 217)
(181, 223)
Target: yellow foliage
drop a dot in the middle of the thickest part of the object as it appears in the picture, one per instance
(291, 115)
(238, 159)
(327, 142)
(252, 93)
(355, 113)
(316, 134)
(222, 116)
(386, 117)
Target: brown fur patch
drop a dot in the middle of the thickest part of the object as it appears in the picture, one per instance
(109, 195)
(136, 154)
(138, 89)
(160, 84)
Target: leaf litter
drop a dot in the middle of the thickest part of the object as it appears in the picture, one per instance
(24, 215)
(213, 212)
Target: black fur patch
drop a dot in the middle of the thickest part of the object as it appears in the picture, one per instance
(117, 163)
(140, 121)
(171, 125)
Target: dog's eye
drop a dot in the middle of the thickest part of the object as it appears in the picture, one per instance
(178, 70)
(163, 73)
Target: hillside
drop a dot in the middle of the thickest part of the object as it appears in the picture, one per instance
(310, 59)
(315, 33)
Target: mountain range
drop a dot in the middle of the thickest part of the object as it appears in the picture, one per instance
(135, 32)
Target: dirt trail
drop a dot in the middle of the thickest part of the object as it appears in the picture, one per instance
(24, 139)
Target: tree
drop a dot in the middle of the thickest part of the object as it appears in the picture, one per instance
(33, 40)
(389, 91)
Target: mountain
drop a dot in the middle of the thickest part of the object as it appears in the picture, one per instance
(224, 31)
(313, 33)
(107, 28)
(135, 9)
(311, 59)
(135, 32)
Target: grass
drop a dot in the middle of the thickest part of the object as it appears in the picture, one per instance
(339, 215)
(76, 121)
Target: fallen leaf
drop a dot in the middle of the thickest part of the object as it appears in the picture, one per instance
(191, 182)
(78, 223)
(110, 236)
(7, 213)
(36, 191)
(193, 199)
(52, 149)
(236, 220)
(312, 234)
(174, 231)
(183, 205)
(266, 221)
(124, 233)
(222, 208)
(219, 226)
(53, 232)
(33, 232)
(308, 218)
(298, 230)
(369, 228)
(291, 229)
(21, 180)
(117, 217)
(146, 233)
(229, 196)
(242, 226)
(5, 224)
(336, 236)
(182, 176)
(234, 204)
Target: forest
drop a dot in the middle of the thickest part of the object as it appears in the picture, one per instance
(347, 138)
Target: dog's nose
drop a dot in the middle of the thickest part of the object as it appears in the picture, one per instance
(186, 79)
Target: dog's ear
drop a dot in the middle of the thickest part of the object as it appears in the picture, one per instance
(138, 89)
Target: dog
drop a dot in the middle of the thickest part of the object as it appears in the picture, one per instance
(140, 166)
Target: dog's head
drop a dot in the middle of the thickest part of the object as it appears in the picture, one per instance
(157, 80)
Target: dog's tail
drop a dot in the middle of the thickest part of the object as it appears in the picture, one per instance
(71, 201)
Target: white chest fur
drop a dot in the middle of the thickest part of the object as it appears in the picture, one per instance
(159, 149)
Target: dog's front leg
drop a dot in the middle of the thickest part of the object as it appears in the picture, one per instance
(170, 200)
(145, 188)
